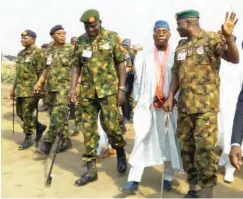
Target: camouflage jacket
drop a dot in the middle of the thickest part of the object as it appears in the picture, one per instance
(58, 67)
(197, 64)
(29, 65)
(131, 54)
(128, 59)
(98, 59)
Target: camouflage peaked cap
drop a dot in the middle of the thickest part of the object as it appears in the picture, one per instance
(187, 14)
(90, 16)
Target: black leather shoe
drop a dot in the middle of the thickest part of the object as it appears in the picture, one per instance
(89, 176)
(121, 160)
(64, 145)
(192, 194)
(44, 148)
(27, 143)
(40, 130)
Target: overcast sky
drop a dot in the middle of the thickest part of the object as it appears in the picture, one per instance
(130, 18)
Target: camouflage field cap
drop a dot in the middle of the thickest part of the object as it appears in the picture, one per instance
(90, 16)
(187, 14)
(29, 33)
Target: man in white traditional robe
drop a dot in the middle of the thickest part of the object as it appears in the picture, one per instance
(231, 79)
(152, 146)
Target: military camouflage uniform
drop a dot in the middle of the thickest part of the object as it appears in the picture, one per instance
(45, 96)
(197, 64)
(58, 65)
(127, 106)
(99, 87)
(29, 65)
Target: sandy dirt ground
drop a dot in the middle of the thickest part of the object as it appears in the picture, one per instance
(24, 172)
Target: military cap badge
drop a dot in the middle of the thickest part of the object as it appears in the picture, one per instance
(24, 33)
(91, 19)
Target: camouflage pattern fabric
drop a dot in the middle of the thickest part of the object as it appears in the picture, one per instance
(58, 69)
(29, 66)
(78, 117)
(197, 135)
(110, 121)
(131, 55)
(25, 107)
(99, 59)
(128, 59)
(58, 111)
(197, 64)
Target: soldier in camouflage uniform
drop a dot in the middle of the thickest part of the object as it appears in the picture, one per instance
(102, 58)
(75, 113)
(196, 74)
(127, 106)
(45, 96)
(29, 64)
(57, 72)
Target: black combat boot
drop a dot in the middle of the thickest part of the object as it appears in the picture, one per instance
(64, 145)
(89, 176)
(121, 159)
(40, 130)
(27, 142)
(192, 194)
(44, 148)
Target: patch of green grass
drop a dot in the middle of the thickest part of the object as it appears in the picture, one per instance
(7, 78)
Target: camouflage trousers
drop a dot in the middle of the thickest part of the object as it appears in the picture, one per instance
(197, 135)
(58, 111)
(110, 118)
(78, 117)
(25, 108)
(45, 97)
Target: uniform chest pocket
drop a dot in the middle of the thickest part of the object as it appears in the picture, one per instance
(25, 65)
(105, 52)
(201, 55)
(65, 59)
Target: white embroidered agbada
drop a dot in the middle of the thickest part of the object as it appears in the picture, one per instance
(151, 146)
(231, 79)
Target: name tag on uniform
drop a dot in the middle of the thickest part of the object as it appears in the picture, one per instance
(49, 60)
(27, 59)
(87, 54)
(181, 56)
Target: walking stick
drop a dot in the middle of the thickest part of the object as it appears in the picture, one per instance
(163, 166)
(49, 177)
(13, 115)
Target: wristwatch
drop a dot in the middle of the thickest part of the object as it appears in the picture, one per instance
(122, 88)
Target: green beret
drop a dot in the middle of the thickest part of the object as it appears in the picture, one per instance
(90, 16)
(187, 14)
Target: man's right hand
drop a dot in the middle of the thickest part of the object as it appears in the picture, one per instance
(72, 95)
(12, 94)
(37, 88)
(168, 105)
(235, 156)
